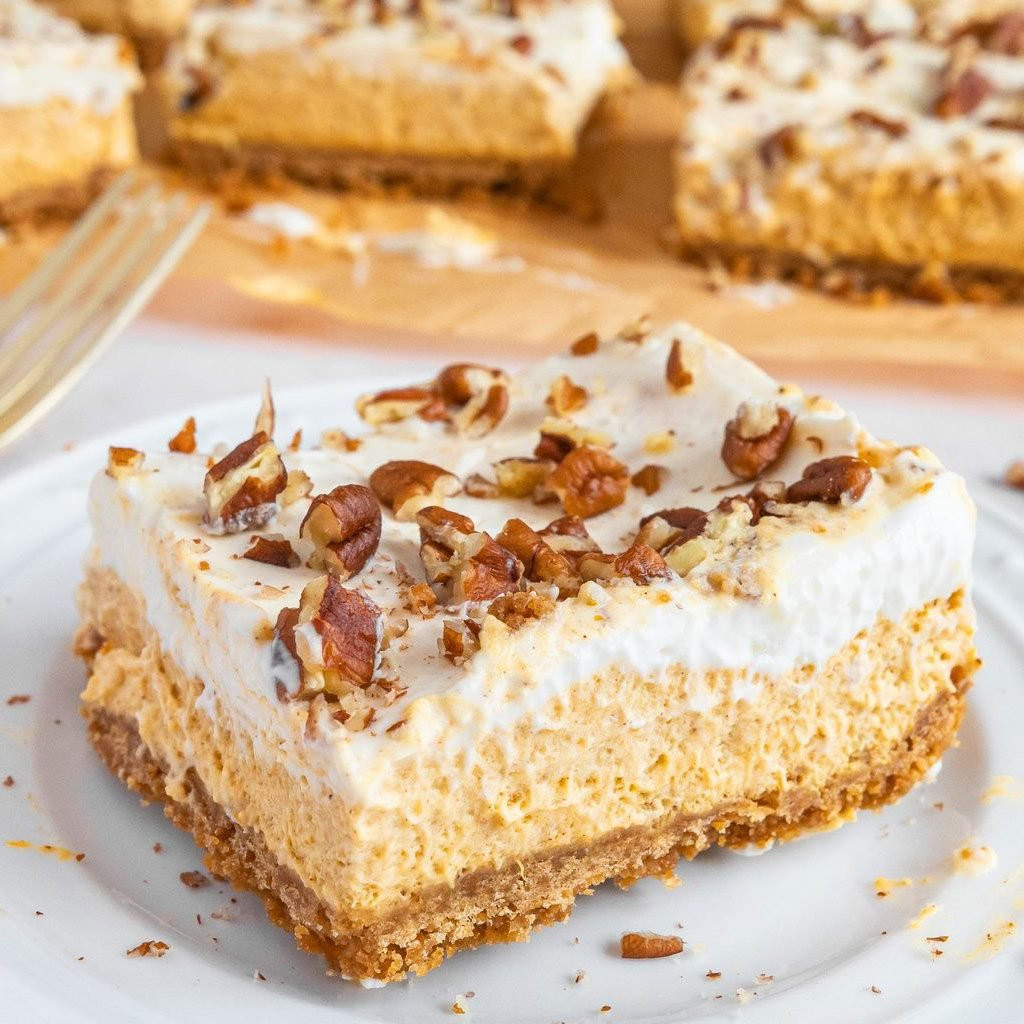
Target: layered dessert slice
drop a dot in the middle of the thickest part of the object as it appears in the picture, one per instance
(149, 24)
(998, 24)
(439, 94)
(856, 163)
(421, 688)
(65, 112)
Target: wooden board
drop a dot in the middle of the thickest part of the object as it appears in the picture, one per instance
(553, 276)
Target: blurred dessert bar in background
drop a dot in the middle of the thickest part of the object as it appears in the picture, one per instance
(149, 24)
(858, 162)
(436, 94)
(65, 112)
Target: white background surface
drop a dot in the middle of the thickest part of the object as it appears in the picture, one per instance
(805, 913)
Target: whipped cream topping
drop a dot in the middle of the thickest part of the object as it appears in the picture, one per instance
(45, 57)
(570, 47)
(812, 579)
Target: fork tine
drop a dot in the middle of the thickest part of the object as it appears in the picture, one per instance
(33, 287)
(48, 392)
(77, 284)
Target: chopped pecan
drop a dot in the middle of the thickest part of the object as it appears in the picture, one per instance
(462, 564)
(478, 486)
(637, 331)
(241, 490)
(755, 438)
(478, 395)
(184, 440)
(406, 486)
(648, 946)
(344, 527)
(585, 345)
(869, 119)
(1014, 475)
(421, 599)
(122, 462)
(523, 606)
(272, 550)
(266, 417)
(552, 448)
(642, 564)
(298, 486)
(566, 397)
(329, 643)
(1006, 35)
(832, 480)
(589, 481)
(593, 565)
(559, 436)
(569, 536)
(676, 373)
(669, 527)
(459, 640)
(964, 94)
(337, 440)
(524, 478)
(649, 479)
(397, 404)
(757, 499)
(787, 143)
(541, 563)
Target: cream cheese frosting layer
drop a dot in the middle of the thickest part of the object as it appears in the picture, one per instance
(45, 57)
(805, 585)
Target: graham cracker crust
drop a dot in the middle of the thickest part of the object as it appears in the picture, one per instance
(506, 904)
(437, 177)
(55, 202)
(864, 280)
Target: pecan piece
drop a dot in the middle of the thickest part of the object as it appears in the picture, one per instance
(964, 94)
(669, 527)
(397, 404)
(755, 438)
(266, 417)
(647, 945)
(566, 397)
(477, 394)
(122, 462)
(649, 479)
(676, 373)
(642, 564)
(406, 486)
(1014, 475)
(787, 143)
(559, 436)
(541, 563)
(517, 609)
(184, 440)
(589, 481)
(344, 527)
(459, 640)
(1007, 35)
(272, 549)
(298, 485)
(524, 478)
(330, 643)
(832, 480)
(585, 345)
(241, 490)
(869, 119)
(757, 499)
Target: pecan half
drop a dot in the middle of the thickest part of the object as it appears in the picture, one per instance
(329, 643)
(755, 438)
(461, 563)
(477, 394)
(678, 376)
(832, 480)
(406, 486)
(241, 490)
(964, 94)
(647, 945)
(122, 462)
(184, 440)
(344, 528)
(272, 550)
(524, 478)
(517, 609)
(541, 563)
(642, 564)
(397, 404)
(565, 397)
(589, 481)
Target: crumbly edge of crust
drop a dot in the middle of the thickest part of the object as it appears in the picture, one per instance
(862, 280)
(54, 202)
(436, 177)
(504, 905)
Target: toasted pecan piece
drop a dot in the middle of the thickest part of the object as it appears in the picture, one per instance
(272, 549)
(477, 397)
(242, 490)
(405, 486)
(586, 345)
(649, 478)
(184, 440)
(396, 404)
(668, 527)
(642, 564)
(755, 438)
(676, 374)
(541, 563)
(519, 608)
(524, 478)
(122, 462)
(459, 640)
(842, 477)
(565, 397)
(647, 945)
(589, 481)
(344, 528)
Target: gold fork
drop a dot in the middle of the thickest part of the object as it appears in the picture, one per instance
(64, 316)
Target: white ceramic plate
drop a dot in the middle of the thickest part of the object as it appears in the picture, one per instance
(805, 914)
